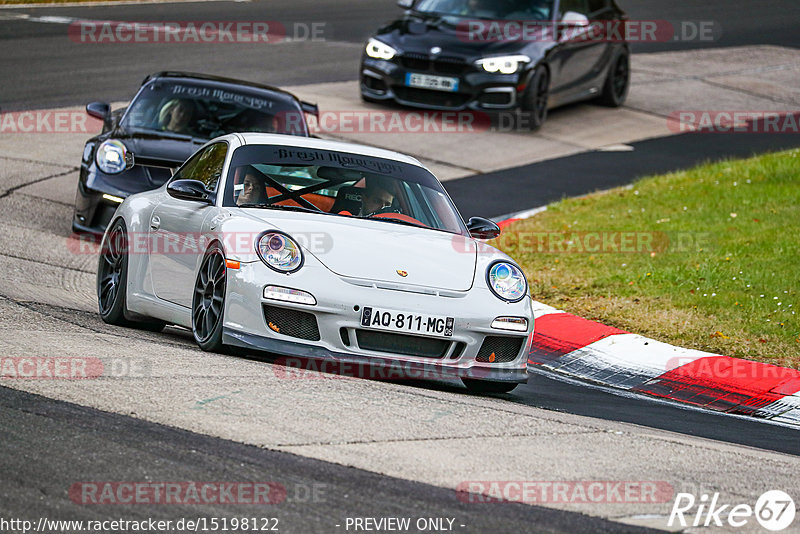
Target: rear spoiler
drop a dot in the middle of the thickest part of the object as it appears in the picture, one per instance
(307, 107)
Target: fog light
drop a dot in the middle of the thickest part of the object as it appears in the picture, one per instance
(284, 294)
(112, 198)
(516, 324)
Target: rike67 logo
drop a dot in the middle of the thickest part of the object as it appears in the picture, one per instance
(774, 510)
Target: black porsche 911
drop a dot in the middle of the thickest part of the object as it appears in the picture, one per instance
(171, 116)
(499, 55)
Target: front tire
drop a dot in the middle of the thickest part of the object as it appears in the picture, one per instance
(615, 90)
(484, 387)
(208, 303)
(112, 281)
(533, 112)
(112, 276)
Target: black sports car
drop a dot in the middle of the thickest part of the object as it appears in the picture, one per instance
(171, 116)
(496, 55)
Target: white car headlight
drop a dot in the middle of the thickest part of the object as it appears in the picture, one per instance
(507, 281)
(380, 50)
(111, 156)
(279, 251)
(503, 64)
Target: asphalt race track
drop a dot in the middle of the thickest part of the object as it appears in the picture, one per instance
(111, 72)
(363, 440)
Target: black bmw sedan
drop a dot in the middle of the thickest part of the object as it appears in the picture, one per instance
(520, 56)
(171, 116)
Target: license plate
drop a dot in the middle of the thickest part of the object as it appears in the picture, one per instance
(438, 83)
(408, 323)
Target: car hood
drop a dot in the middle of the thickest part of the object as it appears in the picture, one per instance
(155, 149)
(379, 251)
(419, 33)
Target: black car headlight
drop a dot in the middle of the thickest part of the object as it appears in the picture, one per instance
(503, 64)
(112, 157)
(507, 281)
(379, 50)
(279, 251)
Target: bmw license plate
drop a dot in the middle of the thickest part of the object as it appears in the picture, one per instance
(407, 323)
(426, 81)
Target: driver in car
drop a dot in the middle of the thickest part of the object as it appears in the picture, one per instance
(176, 116)
(254, 188)
(377, 197)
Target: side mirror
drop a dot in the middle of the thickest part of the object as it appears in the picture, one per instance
(481, 228)
(99, 110)
(574, 20)
(189, 190)
(406, 4)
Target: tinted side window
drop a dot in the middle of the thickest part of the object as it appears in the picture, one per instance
(597, 5)
(205, 166)
(578, 6)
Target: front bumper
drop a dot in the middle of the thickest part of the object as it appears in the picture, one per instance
(477, 90)
(338, 319)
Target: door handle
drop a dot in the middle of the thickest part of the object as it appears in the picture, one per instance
(155, 223)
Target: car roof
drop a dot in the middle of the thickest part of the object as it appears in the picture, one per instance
(253, 138)
(177, 75)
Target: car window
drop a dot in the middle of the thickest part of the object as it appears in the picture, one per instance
(192, 109)
(596, 6)
(340, 184)
(205, 166)
(489, 9)
(578, 6)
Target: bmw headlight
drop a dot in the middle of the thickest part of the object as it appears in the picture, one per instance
(507, 281)
(503, 64)
(112, 157)
(380, 50)
(279, 251)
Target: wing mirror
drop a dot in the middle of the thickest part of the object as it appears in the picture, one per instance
(99, 110)
(406, 4)
(189, 190)
(574, 20)
(481, 228)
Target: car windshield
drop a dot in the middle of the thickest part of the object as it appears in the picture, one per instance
(489, 9)
(339, 184)
(187, 108)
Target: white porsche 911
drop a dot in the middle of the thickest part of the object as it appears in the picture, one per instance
(320, 250)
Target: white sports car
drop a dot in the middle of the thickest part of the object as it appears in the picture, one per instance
(323, 251)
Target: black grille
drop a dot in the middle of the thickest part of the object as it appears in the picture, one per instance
(452, 66)
(431, 98)
(505, 349)
(419, 62)
(402, 344)
(292, 323)
(496, 98)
